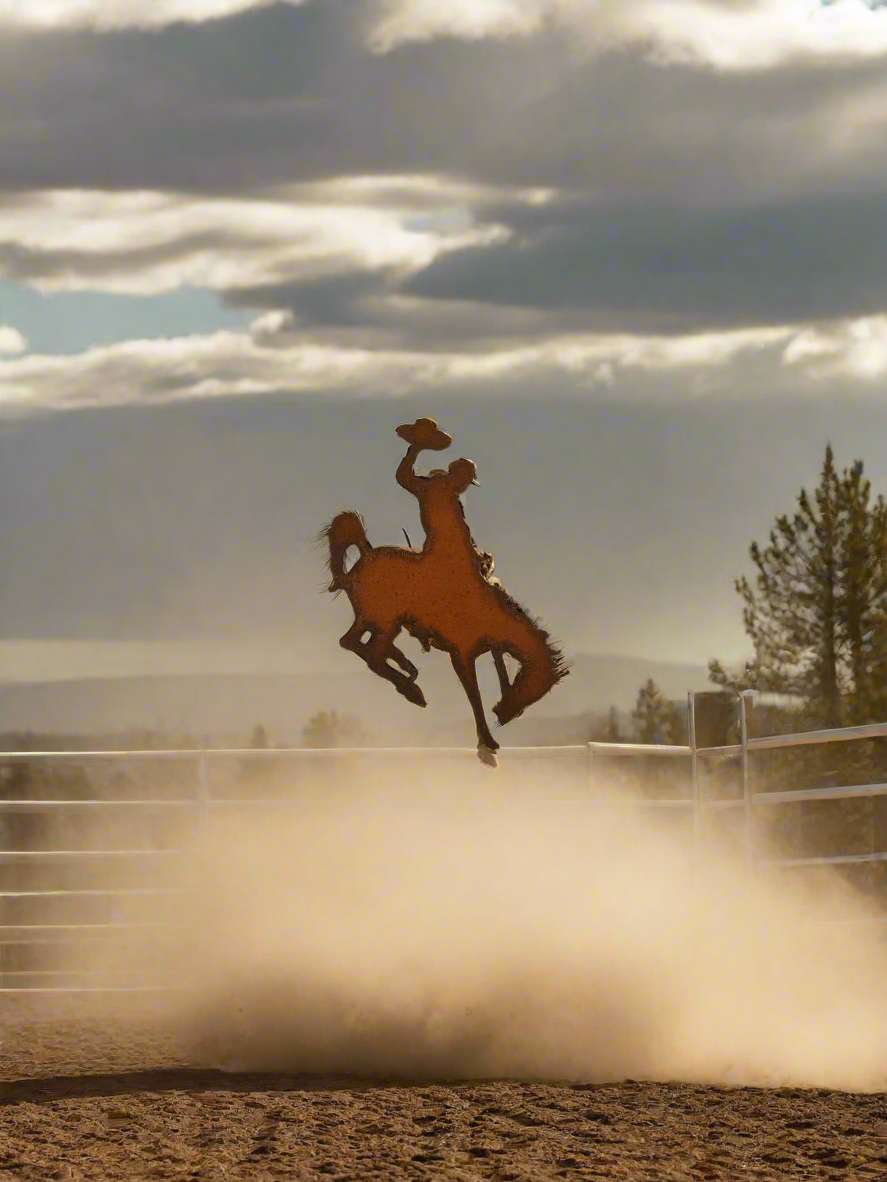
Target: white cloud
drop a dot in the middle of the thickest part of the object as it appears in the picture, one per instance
(598, 359)
(422, 20)
(11, 340)
(151, 242)
(856, 348)
(225, 364)
(116, 14)
(170, 370)
(762, 34)
(757, 34)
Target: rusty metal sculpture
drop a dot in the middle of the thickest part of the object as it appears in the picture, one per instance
(444, 595)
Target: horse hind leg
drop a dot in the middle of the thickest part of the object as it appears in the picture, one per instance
(395, 654)
(486, 744)
(377, 652)
(351, 640)
(353, 643)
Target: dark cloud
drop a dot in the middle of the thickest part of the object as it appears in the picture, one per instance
(687, 198)
(580, 265)
(283, 93)
(332, 301)
(366, 309)
(654, 268)
(217, 106)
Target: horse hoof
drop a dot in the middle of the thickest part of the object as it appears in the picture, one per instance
(412, 693)
(487, 756)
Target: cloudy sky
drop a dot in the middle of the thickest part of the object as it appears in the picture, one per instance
(632, 254)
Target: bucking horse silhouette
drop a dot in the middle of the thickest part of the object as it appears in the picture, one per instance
(444, 595)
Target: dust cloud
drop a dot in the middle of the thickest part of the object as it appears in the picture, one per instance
(478, 925)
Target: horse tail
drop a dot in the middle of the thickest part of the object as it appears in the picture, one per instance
(345, 530)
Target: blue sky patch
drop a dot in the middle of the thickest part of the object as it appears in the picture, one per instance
(69, 322)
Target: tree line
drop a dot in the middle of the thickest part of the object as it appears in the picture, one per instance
(654, 719)
(815, 613)
(815, 608)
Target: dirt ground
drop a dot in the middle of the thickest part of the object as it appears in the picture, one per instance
(101, 1098)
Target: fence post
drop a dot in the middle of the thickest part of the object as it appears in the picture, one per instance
(745, 704)
(694, 778)
(203, 787)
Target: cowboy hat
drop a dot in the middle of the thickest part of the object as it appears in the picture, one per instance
(426, 434)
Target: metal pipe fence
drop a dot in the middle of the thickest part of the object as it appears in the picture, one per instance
(202, 803)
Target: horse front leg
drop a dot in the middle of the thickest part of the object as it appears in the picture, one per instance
(467, 674)
(501, 670)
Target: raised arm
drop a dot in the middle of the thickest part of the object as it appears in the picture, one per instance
(423, 435)
(406, 477)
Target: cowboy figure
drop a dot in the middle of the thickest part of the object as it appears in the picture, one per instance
(439, 493)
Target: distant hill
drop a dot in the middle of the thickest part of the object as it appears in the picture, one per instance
(230, 705)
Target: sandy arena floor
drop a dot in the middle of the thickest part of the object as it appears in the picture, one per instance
(94, 1099)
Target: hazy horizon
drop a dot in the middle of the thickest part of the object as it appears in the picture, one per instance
(25, 661)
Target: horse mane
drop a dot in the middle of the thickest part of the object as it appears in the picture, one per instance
(560, 665)
(559, 662)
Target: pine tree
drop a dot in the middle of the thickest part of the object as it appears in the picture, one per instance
(330, 729)
(816, 612)
(652, 714)
(606, 730)
(256, 770)
(864, 601)
(259, 738)
(678, 724)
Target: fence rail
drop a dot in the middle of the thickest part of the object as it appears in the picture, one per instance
(203, 802)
